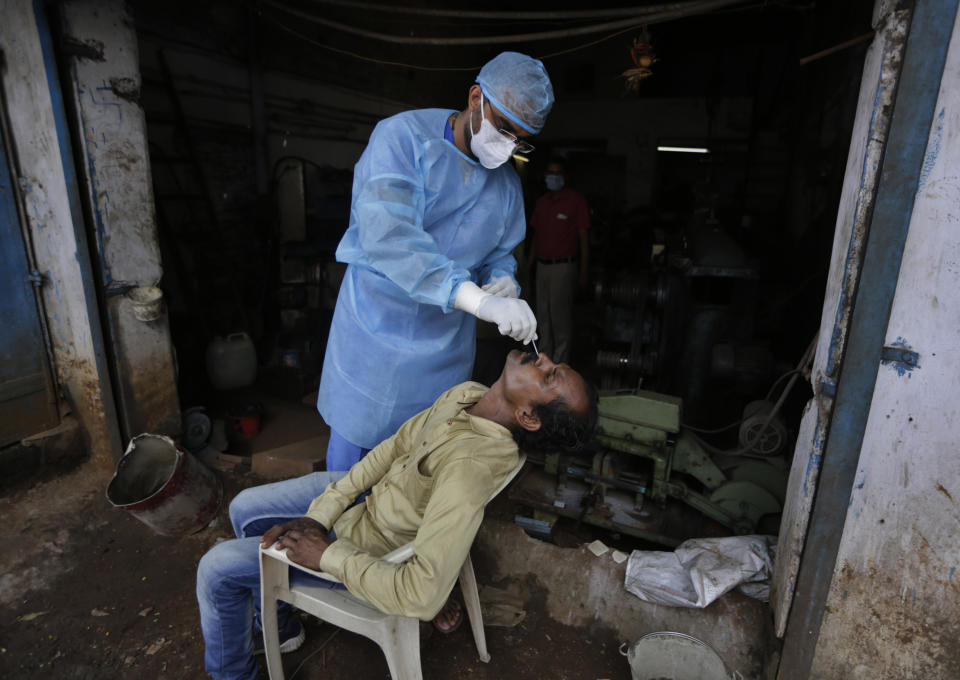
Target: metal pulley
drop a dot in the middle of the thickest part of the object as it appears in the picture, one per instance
(760, 433)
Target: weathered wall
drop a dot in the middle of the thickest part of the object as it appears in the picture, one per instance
(894, 603)
(104, 82)
(877, 88)
(49, 192)
(325, 124)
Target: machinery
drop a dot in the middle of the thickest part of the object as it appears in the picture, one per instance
(685, 323)
(647, 476)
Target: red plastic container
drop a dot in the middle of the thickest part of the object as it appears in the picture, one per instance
(245, 427)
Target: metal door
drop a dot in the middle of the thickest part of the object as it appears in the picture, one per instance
(27, 403)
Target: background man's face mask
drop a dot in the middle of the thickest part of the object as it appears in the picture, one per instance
(490, 147)
(554, 182)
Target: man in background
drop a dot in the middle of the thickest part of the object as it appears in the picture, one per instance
(561, 253)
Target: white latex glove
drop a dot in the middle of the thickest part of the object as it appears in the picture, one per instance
(513, 316)
(502, 286)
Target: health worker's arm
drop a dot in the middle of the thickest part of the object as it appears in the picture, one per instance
(328, 506)
(388, 210)
(420, 586)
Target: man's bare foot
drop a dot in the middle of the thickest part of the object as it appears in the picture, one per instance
(450, 617)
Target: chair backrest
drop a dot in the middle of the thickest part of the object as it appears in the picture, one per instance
(405, 552)
(522, 458)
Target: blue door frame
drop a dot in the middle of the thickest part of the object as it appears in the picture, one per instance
(919, 86)
(27, 401)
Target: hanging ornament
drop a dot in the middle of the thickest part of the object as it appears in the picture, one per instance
(643, 57)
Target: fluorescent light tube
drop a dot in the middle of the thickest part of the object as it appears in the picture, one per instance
(684, 149)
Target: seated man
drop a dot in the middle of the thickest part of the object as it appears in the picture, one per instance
(428, 484)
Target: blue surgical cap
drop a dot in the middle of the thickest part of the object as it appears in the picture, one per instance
(519, 87)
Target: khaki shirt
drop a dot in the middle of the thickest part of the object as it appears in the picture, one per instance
(429, 484)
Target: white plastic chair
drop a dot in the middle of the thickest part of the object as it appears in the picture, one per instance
(398, 636)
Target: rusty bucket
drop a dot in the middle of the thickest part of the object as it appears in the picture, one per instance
(164, 486)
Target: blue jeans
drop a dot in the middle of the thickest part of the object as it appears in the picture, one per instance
(228, 577)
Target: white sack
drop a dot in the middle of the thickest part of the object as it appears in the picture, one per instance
(702, 569)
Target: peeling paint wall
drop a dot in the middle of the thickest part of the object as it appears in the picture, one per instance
(864, 159)
(49, 193)
(894, 602)
(104, 84)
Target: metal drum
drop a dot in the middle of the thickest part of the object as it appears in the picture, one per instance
(164, 487)
(667, 655)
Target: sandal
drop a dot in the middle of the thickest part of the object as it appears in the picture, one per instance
(451, 608)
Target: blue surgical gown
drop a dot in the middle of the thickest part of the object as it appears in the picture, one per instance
(423, 219)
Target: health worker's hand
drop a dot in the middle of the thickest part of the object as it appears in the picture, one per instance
(513, 317)
(502, 286)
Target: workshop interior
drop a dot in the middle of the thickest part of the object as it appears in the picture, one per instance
(182, 281)
(711, 156)
(709, 142)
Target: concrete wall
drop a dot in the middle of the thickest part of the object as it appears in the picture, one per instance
(326, 124)
(877, 88)
(894, 602)
(43, 160)
(104, 86)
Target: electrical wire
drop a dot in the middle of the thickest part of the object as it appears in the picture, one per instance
(484, 14)
(647, 21)
(480, 40)
(732, 425)
(718, 430)
(363, 57)
(687, 9)
(418, 67)
(752, 441)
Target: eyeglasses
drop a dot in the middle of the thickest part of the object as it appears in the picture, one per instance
(519, 146)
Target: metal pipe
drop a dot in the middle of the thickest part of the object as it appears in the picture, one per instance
(836, 48)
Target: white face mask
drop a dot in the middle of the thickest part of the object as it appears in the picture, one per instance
(554, 182)
(490, 147)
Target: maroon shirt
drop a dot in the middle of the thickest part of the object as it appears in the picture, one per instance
(557, 220)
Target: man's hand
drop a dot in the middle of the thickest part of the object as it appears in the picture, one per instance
(305, 540)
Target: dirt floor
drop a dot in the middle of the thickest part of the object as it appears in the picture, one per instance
(88, 591)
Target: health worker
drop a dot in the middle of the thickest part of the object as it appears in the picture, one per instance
(435, 214)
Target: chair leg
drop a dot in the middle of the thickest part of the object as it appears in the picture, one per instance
(400, 642)
(471, 598)
(272, 572)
